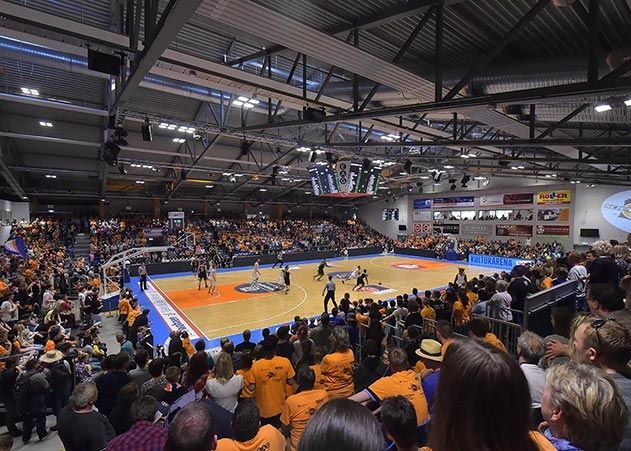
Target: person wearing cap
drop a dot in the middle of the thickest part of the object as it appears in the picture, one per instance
(402, 382)
(428, 368)
(268, 379)
(58, 373)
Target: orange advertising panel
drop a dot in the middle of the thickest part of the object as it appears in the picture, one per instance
(554, 197)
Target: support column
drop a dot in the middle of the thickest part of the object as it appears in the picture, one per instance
(206, 208)
(101, 210)
(156, 208)
(280, 212)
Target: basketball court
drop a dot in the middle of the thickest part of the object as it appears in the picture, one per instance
(237, 305)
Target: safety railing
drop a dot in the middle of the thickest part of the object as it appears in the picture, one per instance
(506, 331)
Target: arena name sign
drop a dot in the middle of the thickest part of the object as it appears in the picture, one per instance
(170, 316)
(494, 261)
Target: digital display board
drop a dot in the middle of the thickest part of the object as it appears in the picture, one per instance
(345, 179)
(390, 214)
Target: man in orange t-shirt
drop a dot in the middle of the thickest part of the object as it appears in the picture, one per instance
(298, 408)
(267, 380)
(249, 435)
(403, 382)
(479, 328)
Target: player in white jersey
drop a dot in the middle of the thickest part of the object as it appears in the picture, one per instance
(353, 275)
(212, 277)
(256, 273)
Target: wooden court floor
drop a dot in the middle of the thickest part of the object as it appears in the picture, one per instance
(237, 306)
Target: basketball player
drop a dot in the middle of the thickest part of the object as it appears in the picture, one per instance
(256, 273)
(329, 289)
(213, 278)
(361, 281)
(194, 265)
(202, 274)
(353, 275)
(279, 260)
(320, 274)
(286, 278)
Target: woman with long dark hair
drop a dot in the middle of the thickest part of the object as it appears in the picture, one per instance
(482, 402)
(197, 372)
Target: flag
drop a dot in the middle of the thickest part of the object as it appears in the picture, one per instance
(16, 246)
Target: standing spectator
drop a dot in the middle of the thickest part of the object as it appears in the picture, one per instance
(283, 347)
(268, 379)
(173, 390)
(578, 273)
(140, 374)
(9, 310)
(144, 434)
(321, 335)
(32, 400)
(111, 382)
(249, 434)
(192, 429)
(81, 428)
(480, 328)
(226, 386)
(601, 266)
(126, 345)
(157, 381)
(7, 382)
(197, 372)
(175, 343)
(120, 416)
(142, 273)
(519, 288)
(57, 371)
(298, 408)
(531, 349)
(414, 317)
(402, 382)
(605, 300)
(246, 344)
(501, 302)
(337, 367)
(583, 409)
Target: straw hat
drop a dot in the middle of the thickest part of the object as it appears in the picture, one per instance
(430, 350)
(51, 357)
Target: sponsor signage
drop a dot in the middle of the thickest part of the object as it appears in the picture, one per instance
(461, 201)
(616, 210)
(513, 230)
(496, 199)
(518, 199)
(553, 215)
(453, 229)
(166, 311)
(420, 204)
(554, 197)
(421, 228)
(476, 229)
(553, 230)
(259, 287)
(494, 261)
(176, 215)
(422, 215)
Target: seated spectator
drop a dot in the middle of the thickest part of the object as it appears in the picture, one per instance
(321, 335)
(583, 409)
(186, 344)
(337, 367)
(249, 434)
(157, 381)
(246, 344)
(530, 350)
(444, 335)
(6, 442)
(318, 354)
(80, 426)
(225, 387)
(192, 429)
(126, 345)
(475, 375)
(173, 390)
(402, 382)
(323, 431)
(111, 382)
(428, 368)
(8, 377)
(428, 312)
(144, 434)
(140, 374)
(120, 417)
(411, 342)
(480, 328)
(399, 423)
(298, 408)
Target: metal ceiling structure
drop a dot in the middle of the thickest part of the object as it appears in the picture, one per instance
(503, 90)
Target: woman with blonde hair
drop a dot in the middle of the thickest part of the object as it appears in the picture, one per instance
(337, 367)
(226, 386)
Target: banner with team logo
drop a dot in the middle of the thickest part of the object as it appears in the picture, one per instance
(513, 230)
(476, 229)
(420, 204)
(553, 215)
(422, 215)
(553, 230)
(554, 197)
(461, 201)
(422, 228)
(616, 210)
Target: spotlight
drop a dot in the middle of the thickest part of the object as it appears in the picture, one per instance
(465, 180)
(147, 131)
(408, 167)
(437, 177)
(603, 107)
(312, 156)
(245, 148)
(452, 181)
(452, 187)
(121, 169)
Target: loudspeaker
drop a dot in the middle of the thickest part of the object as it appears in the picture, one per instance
(245, 148)
(312, 157)
(311, 114)
(111, 122)
(103, 62)
(408, 167)
(147, 132)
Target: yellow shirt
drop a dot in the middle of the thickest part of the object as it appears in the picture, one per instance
(245, 391)
(542, 443)
(493, 340)
(298, 409)
(269, 377)
(406, 384)
(337, 372)
(124, 306)
(428, 312)
(319, 380)
(132, 315)
(268, 438)
(459, 314)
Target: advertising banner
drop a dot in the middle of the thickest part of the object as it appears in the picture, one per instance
(513, 230)
(553, 230)
(461, 201)
(476, 229)
(489, 201)
(453, 229)
(554, 197)
(518, 199)
(422, 228)
(422, 215)
(421, 204)
(494, 261)
(553, 214)
(616, 210)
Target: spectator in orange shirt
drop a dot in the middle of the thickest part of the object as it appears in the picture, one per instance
(461, 310)
(428, 312)
(298, 408)
(249, 434)
(186, 344)
(123, 309)
(479, 328)
(337, 367)
(318, 354)
(444, 335)
(402, 382)
(267, 380)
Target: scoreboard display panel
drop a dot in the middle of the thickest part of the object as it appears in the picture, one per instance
(345, 179)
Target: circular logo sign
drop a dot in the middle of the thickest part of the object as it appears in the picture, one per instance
(409, 266)
(259, 288)
(616, 210)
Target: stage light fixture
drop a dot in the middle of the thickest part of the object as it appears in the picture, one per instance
(147, 130)
(312, 156)
(627, 102)
(452, 187)
(602, 108)
(122, 169)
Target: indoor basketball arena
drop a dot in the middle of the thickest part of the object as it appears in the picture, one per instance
(315, 225)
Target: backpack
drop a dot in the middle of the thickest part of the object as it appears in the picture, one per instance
(23, 388)
(59, 376)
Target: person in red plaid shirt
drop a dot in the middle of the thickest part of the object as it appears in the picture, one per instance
(144, 435)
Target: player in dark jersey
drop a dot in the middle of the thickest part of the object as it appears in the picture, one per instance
(279, 259)
(361, 281)
(202, 274)
(320, 274)
(194, 265)
(286, 279)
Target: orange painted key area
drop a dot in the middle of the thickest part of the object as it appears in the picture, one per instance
(200, 298)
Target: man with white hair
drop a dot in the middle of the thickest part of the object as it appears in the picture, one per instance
(501, 302)
(80, 426)
(530, 349)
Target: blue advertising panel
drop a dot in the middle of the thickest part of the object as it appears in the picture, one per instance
(496, 261)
